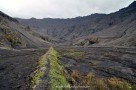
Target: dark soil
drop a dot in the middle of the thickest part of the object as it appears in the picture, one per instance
(16, 66)
(102, 61)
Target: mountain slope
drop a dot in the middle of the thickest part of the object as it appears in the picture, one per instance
(123, 33)
(112, 27)
(15, 35)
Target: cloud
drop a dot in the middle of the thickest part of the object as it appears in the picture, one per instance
(60, 8)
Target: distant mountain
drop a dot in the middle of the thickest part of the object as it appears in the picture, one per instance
(114, 29)
(15, 35)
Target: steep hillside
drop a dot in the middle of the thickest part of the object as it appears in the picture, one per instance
(112, 27)
(15, 35)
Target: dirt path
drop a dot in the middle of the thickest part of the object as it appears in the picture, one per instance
(44, 79)
(52, 76)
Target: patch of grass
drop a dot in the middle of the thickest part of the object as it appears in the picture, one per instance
(14, 41)
(87, 41)
(118, 84)
(56, 74)
(93, 82)
(36, 78)
(87, 80)
(112, 83)
(42, 61)
(73, 54)
(101, 84)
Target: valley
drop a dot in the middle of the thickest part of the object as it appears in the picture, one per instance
(94, 52)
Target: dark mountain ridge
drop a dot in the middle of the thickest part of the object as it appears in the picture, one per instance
(8, 17)
(69, 30)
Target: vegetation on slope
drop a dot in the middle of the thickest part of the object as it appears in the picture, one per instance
(90, 40)
(8, 36)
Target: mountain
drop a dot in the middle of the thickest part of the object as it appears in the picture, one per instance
(15, 35)
(116, 28)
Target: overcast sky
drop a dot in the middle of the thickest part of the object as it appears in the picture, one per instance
(60, 8)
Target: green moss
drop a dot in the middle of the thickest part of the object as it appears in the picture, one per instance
(56, 73)
(42, 61)
(36, 77)
(57, 77)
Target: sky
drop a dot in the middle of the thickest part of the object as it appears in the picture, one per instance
(60, 8)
